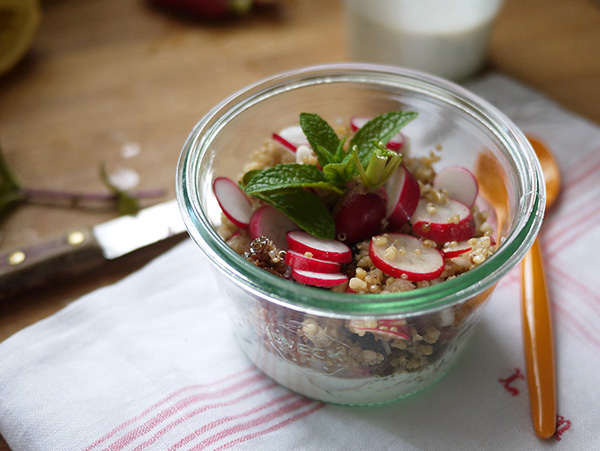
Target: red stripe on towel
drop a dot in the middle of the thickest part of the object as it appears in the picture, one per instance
(272, 428)
(280, 412)
(168, 398)
(226, 419)
(146, 427)
(199, 410)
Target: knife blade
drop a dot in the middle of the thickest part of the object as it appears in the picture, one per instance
(84, 249)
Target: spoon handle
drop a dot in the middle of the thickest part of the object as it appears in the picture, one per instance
(538, 343)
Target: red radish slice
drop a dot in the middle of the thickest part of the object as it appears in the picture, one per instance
(459, 183)
(291, 137)
(233, 201)
(286, 144)
(321, 248)
(304, 154)
(270, 222)
(395, 144)
(301, 261)
(403, 197)
(451, 221)
(358, 122)
(453, 249)
(405, 256)
(318, 279)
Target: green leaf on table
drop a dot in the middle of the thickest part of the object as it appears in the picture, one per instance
(10, 186)
(128, 205)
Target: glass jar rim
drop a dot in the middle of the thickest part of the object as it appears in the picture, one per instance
(324, 302)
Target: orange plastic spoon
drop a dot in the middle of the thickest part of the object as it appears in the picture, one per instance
(538, 338)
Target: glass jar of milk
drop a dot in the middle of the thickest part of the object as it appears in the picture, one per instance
(443, 37)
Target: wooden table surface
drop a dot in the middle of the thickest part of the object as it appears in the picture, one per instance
(107, 76)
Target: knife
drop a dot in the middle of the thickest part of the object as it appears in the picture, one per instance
(85, 249)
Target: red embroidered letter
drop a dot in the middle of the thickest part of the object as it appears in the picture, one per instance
(506, 382)
(562, 425)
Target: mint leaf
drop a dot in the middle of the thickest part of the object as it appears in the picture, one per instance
(382, 128)
(304, 208)
(323, 156)
(285, 176)
(248, 175)
(321, 137)
(340, 173)
(340, 153)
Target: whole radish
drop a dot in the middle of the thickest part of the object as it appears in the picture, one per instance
(358, 215)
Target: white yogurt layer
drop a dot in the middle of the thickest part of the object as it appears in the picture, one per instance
(336, 389)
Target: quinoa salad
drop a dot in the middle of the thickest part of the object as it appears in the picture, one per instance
(350, 210)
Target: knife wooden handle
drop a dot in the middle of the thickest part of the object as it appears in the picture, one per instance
(538, 343)
(65, 256)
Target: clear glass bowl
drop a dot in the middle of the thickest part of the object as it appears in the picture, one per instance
(299, 335)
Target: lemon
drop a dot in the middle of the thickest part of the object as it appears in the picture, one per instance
(19, 21)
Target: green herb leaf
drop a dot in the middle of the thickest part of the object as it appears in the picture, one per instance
(381, 129)
(10, 187)
(127, 204)
(304, 208)
(340, 173)
(248, 175)
(321, 137)
(7, 176)
(340, 153)
(323, 156)
(285, 176)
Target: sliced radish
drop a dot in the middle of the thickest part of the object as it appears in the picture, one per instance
(386, 329)
(453, 249)
(318, 279)
(459, 183)
(358, 122)
(233, 201)
(451, 221)
(270, 222)
(395, 144)
(304, 154)
(358, 216)
(291, 137)
(405, 256)
(296, 260)
(403, 197)
(321, 248)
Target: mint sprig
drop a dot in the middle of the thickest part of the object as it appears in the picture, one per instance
(285, 186)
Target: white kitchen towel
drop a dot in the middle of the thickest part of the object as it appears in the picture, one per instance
(151, 362)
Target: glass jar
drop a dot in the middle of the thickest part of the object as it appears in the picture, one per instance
(312, 340)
